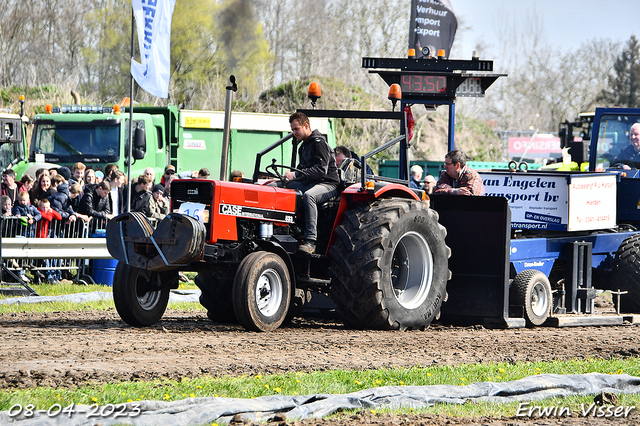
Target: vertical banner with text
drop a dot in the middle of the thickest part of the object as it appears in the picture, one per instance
(433, 25)
(153, 25)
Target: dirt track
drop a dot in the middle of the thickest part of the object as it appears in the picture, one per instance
(71, 348)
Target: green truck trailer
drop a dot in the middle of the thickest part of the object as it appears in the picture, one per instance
(188, 140)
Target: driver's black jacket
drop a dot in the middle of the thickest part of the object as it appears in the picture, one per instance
(317, 160)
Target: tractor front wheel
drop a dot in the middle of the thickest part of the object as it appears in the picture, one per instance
(139, 296)
(261, 291)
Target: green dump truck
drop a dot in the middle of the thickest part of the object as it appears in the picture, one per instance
(188, 140)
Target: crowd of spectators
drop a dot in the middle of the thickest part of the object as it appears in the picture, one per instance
(81, 193)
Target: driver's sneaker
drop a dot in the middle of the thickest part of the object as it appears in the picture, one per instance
(308, 247)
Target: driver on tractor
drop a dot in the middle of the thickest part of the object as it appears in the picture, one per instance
(317, 176)
(630, 156)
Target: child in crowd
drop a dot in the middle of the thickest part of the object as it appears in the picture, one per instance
(27, 181)
(6, 205)
(42, 231)
(48, 214)
(25, 210)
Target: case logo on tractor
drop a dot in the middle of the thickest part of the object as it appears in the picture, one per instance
(253, 213)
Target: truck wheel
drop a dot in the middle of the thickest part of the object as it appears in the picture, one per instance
(261, 291)
(625, 274)
(531, 289)
(216, 296)
(389, 265)
(139, 299)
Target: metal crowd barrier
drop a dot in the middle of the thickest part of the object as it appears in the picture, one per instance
(68, 247)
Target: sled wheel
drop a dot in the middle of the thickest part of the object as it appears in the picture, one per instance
(261, 291)
(389, 265)
(216, 290)
(625, 274)
(531, 289)
(138, 295)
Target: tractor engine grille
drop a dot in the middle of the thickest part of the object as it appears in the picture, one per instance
(191, 191)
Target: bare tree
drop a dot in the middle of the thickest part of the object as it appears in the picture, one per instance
(329, 37)
(15, 45)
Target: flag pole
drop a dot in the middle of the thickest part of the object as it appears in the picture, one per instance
(129, 154)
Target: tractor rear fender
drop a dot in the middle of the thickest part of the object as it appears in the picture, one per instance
(353, 195)
(274, 247)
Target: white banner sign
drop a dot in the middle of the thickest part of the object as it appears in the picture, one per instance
(153, 25)
(592, 203)
(541, 201)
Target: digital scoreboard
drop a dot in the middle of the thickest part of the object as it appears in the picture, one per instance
(423, 84)
(438, 80)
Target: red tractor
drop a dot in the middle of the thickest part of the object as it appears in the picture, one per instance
(383, 258)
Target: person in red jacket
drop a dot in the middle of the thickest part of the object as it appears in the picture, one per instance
(48, 214)
(42, 231)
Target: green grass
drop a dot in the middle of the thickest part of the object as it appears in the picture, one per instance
(333, 382)
(68, 288)
(338, 381)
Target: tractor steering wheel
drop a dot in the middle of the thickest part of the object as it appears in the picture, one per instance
(276, 174)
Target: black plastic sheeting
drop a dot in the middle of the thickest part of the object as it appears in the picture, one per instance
(200, 411)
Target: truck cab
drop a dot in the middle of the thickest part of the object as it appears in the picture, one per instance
(13, 136)
(95, 136)
(602, 141)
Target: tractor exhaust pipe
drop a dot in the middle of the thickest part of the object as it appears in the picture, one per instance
(76, 97)
(227, 125)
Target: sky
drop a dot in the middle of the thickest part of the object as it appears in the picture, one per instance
(566, 23)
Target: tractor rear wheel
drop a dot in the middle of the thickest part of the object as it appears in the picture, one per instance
(261, 291)
(139, 297)
(216, 288)
(531, 290)
(626, 276)
(389, 265)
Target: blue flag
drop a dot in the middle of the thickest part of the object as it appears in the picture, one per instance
(153, 25)
(433, 26)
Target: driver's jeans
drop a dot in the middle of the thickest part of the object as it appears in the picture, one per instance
(314, 194)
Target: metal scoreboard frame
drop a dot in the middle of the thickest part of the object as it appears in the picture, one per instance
(433, 82)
